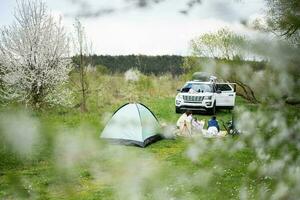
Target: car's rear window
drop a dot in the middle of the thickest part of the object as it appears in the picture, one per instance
(197, 87)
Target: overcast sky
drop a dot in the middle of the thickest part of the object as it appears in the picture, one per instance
(155, 30)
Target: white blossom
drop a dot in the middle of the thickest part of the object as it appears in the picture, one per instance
(33, 54)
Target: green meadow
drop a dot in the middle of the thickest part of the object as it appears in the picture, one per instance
(70, 161)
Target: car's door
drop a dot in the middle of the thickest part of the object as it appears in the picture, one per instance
(225, 95)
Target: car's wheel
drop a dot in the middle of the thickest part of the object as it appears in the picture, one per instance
(212, 111)
(177, 110)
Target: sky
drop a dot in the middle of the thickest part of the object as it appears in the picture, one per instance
(118, 27)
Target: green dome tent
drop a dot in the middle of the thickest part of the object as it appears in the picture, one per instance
(132, 123)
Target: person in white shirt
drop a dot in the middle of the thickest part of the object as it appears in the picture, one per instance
(184, 124)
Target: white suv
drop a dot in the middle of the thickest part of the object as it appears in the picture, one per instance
(205, 96)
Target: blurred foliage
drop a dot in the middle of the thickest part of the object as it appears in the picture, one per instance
(69, 161)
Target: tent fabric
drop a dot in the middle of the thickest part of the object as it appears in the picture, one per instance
(132, 123)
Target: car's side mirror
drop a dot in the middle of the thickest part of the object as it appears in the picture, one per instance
(178, 90)
(219, 91)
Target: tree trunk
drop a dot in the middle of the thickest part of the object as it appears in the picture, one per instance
(249, 93)
(83, 88)
(37, 98)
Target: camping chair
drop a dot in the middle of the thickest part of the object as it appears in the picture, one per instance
(186, 128)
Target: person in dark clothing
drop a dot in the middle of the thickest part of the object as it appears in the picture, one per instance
(213, 123)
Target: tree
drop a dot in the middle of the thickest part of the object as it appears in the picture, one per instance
(223, 44)
(34, 54)
(82, 52)
(283, 16)
(205, 45)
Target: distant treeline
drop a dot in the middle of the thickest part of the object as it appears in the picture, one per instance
(146, 64)
(157, 65)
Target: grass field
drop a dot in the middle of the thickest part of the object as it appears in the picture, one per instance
(71, 162)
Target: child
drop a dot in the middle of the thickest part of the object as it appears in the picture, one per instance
(198, 125)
